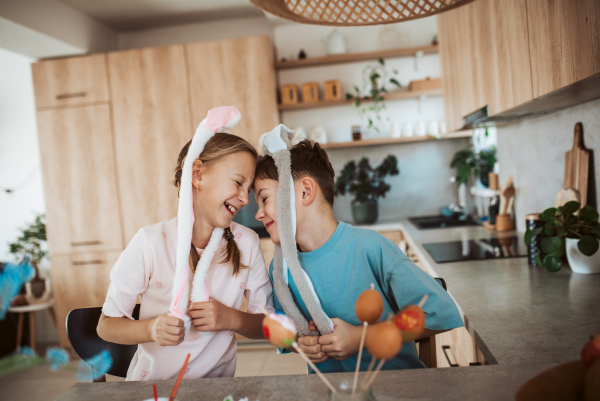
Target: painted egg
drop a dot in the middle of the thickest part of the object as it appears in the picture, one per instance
(384, 340)
(279, 330)
(369, 306)
(411, 321)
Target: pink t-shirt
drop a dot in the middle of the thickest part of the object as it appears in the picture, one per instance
(146, 269)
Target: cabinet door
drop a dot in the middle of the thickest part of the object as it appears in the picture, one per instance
(151, 125)
(79, 179)
(509, 73)
(564, 37)
(70, 81)
(79, 281)
(236, 72)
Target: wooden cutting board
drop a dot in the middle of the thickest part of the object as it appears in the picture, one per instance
(577, 164)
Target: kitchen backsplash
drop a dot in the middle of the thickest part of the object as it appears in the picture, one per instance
(533, 152)
(422, 186)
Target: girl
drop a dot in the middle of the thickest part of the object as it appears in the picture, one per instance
(222, 177)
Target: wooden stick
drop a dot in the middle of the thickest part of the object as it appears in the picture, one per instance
(178, 382)
(423, 300)
(312, 365)
(368, 372)
(367, 384)
(360, 349)
(155, 394)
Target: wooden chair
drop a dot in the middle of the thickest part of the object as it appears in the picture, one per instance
(427, 346)
(81, 330)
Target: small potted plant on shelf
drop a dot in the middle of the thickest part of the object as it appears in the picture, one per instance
(567, 232)
(366, 184)
(467, 163)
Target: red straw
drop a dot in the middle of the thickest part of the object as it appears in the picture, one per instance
(178, 382)
(155, 395)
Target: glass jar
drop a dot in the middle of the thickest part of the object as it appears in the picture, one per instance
(532, 221)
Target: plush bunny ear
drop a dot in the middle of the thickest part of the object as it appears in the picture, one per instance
(217, 120)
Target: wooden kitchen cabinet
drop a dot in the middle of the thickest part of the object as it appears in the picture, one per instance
(79, 281)
(238, 72)
(70, 81)
(457, 347)
(151, 126)
(564, 38)
(80, 186)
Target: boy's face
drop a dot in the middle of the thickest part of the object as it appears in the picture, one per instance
(265, 192)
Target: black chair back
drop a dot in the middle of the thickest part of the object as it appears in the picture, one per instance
(81, 330)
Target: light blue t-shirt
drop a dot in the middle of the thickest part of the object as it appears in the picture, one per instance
(346, 265)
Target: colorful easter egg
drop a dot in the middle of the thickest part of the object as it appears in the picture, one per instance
(369, 306)
(411, 321)
(384, 340)
(279, 330)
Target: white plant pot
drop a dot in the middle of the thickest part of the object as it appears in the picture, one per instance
(580, 263)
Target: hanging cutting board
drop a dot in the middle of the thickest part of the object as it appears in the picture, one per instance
(577, 164)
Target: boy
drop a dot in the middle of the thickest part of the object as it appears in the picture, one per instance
(342, 261)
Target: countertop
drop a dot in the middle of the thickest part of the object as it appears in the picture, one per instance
(517, 314)
(469, 383)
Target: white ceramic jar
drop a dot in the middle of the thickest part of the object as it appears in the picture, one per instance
(580, 263)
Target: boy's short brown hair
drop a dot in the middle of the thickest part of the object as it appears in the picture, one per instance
(308, 159)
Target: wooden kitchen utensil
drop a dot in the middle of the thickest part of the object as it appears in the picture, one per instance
(566, 195)
(506, 196)
(577, 164)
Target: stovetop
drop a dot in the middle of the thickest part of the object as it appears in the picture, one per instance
(480, 249)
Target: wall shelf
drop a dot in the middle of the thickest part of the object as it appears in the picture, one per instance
(395, 95)
(392, 141)
(354, 57)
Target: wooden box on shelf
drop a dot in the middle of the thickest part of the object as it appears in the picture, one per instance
(310, 92)
(289, 94)
(425, 84)
(333, 90)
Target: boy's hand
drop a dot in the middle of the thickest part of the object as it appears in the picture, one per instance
(311, 347)
(211, 316)
(343, 342)
(167, 330)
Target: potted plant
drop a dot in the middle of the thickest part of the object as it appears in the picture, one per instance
(375, 79)
(31, 245)
(567, 232)
(366, 184)
(467, 163)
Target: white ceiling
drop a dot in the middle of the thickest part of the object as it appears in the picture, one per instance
(131, 15)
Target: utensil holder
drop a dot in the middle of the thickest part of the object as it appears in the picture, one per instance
(504, 222)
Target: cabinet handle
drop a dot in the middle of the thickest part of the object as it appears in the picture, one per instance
(70, 95)
(446, 348)
(83, 243)
(87, 262)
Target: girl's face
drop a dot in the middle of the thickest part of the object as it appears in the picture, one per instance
(265, 192)
(225, 185)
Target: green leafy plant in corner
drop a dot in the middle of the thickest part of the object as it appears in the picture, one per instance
(375, 79)
(363, 181)
(31, 243)
(563, 222)
(467, 163)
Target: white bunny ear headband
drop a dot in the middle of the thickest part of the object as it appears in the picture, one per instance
(219, 119)
(276, 144)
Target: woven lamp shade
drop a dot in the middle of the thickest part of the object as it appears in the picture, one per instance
(355, 12)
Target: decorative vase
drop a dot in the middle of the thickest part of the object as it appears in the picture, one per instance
(365, 212)
(580, 263)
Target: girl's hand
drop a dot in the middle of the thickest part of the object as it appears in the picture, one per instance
(167, 330)
(343, 342)
(212, 316)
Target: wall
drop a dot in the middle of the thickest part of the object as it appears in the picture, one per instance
(200, 32)
(533, 152)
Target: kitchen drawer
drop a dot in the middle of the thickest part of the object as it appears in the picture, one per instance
(457, 347)
(79, 281)
(70, 81)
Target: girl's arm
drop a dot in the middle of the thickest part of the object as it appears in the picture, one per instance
(164, 330)
(214, 316)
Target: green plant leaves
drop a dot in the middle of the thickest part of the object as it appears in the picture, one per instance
(551, 244)
(588, 213)
(529, 234)
(570, 207)
(597, 232)
(395, 82)
(552, 263)
(588, 245)
(548, 214)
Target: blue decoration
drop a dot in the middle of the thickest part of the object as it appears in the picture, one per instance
(100, 364)
(57, 358)
(12, 278)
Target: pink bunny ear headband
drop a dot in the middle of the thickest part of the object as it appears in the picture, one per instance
(219, 119)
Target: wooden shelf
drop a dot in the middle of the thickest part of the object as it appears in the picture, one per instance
(395, 95)
(391, 141)
(353, 57)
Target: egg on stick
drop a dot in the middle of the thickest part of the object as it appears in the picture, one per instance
(384, 341)
(411, 321)
(368, 309)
